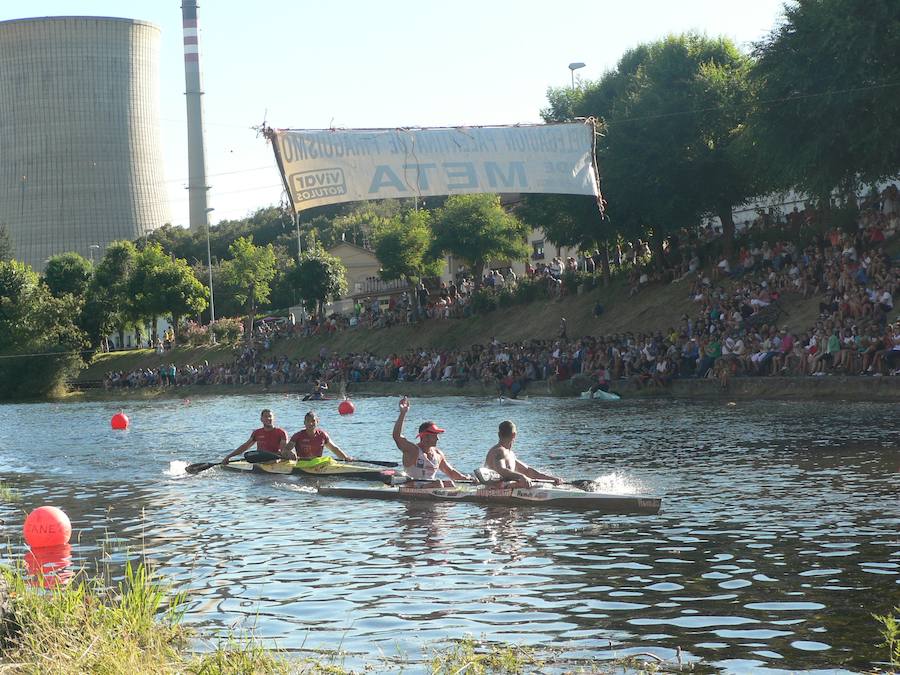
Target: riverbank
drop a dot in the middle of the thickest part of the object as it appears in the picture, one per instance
(86, 626)
(657, 308)
(828, 388)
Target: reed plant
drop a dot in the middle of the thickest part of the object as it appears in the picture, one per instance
(476, 658)
(890, 633)
(8, 494)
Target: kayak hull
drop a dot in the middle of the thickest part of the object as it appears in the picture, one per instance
(323, 467)
(559, 497)
(600, 395)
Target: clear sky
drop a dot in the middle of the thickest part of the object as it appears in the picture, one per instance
(358, 63)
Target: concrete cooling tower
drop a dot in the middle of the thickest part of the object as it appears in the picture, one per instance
(80, 159)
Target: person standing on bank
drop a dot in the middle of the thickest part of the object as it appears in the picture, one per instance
(422, 460)
(268, 438)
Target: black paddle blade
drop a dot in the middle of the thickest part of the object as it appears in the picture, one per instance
(377, 462)
(260, 456)
(200, 466)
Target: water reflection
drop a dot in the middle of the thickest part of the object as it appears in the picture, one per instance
(49, 566)
(777, 536)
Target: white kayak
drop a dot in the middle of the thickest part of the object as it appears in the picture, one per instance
(543, 495)
(503, 400)
(600, 395)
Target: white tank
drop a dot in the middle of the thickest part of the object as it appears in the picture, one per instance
(80, 157)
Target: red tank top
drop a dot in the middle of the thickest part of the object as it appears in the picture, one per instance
(308, 446)
(269, 440)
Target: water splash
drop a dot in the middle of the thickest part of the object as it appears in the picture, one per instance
(616, 483)
(176, 468)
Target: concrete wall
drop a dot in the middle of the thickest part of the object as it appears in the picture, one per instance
(80, 157)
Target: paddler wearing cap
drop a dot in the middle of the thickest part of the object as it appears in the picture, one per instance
(422, 460)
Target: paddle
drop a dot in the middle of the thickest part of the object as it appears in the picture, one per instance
(392, 478)
(251, 456)
(376, 462)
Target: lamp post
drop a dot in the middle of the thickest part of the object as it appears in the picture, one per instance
(91, 248)
(212, 300)
(573, 67)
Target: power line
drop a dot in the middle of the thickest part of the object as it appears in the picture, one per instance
(785, 99)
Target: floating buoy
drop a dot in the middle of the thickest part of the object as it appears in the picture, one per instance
(345, 407)
(119, 421)
(47, 526)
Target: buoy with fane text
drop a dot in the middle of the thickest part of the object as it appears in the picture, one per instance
(345, 407)
(47, 526)
(119, 421)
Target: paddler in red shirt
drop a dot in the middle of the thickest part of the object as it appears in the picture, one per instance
(309, 442)
(269, 438)
(423, 459)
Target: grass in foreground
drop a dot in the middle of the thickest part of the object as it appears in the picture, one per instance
(83, 627)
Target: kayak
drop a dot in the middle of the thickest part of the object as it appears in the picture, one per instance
(504, 400)
(554, 496)
(600, 395)
(318, 466)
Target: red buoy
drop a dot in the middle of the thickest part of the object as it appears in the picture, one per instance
(345, 407)
(119, 421)
(47, 526)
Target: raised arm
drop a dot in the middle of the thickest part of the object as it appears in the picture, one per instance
(410, 450)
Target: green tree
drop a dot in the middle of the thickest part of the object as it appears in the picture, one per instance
(108, 307)
(674, 112)
(829, 99)
(148, 297)
(68, 273)
(6, 247)
(182, 292)
(248, 274)
(476, 229)
(318, 277)
(568, 220)
(40, 345)
(402, 246)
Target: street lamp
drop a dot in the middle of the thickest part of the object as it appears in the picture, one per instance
(573, 67)
(212, 300)
(91, 248)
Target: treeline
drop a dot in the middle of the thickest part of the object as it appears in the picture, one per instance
(691, 127)
(51, 323)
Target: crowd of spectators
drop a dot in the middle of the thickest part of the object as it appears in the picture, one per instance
(732, 329)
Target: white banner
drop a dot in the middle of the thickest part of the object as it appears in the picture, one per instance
(334, 166)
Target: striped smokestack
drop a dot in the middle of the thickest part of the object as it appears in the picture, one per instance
(196, 154)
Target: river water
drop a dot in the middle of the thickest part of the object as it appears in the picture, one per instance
(779, 533)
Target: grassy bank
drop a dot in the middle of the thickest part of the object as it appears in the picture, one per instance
(84, 626)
